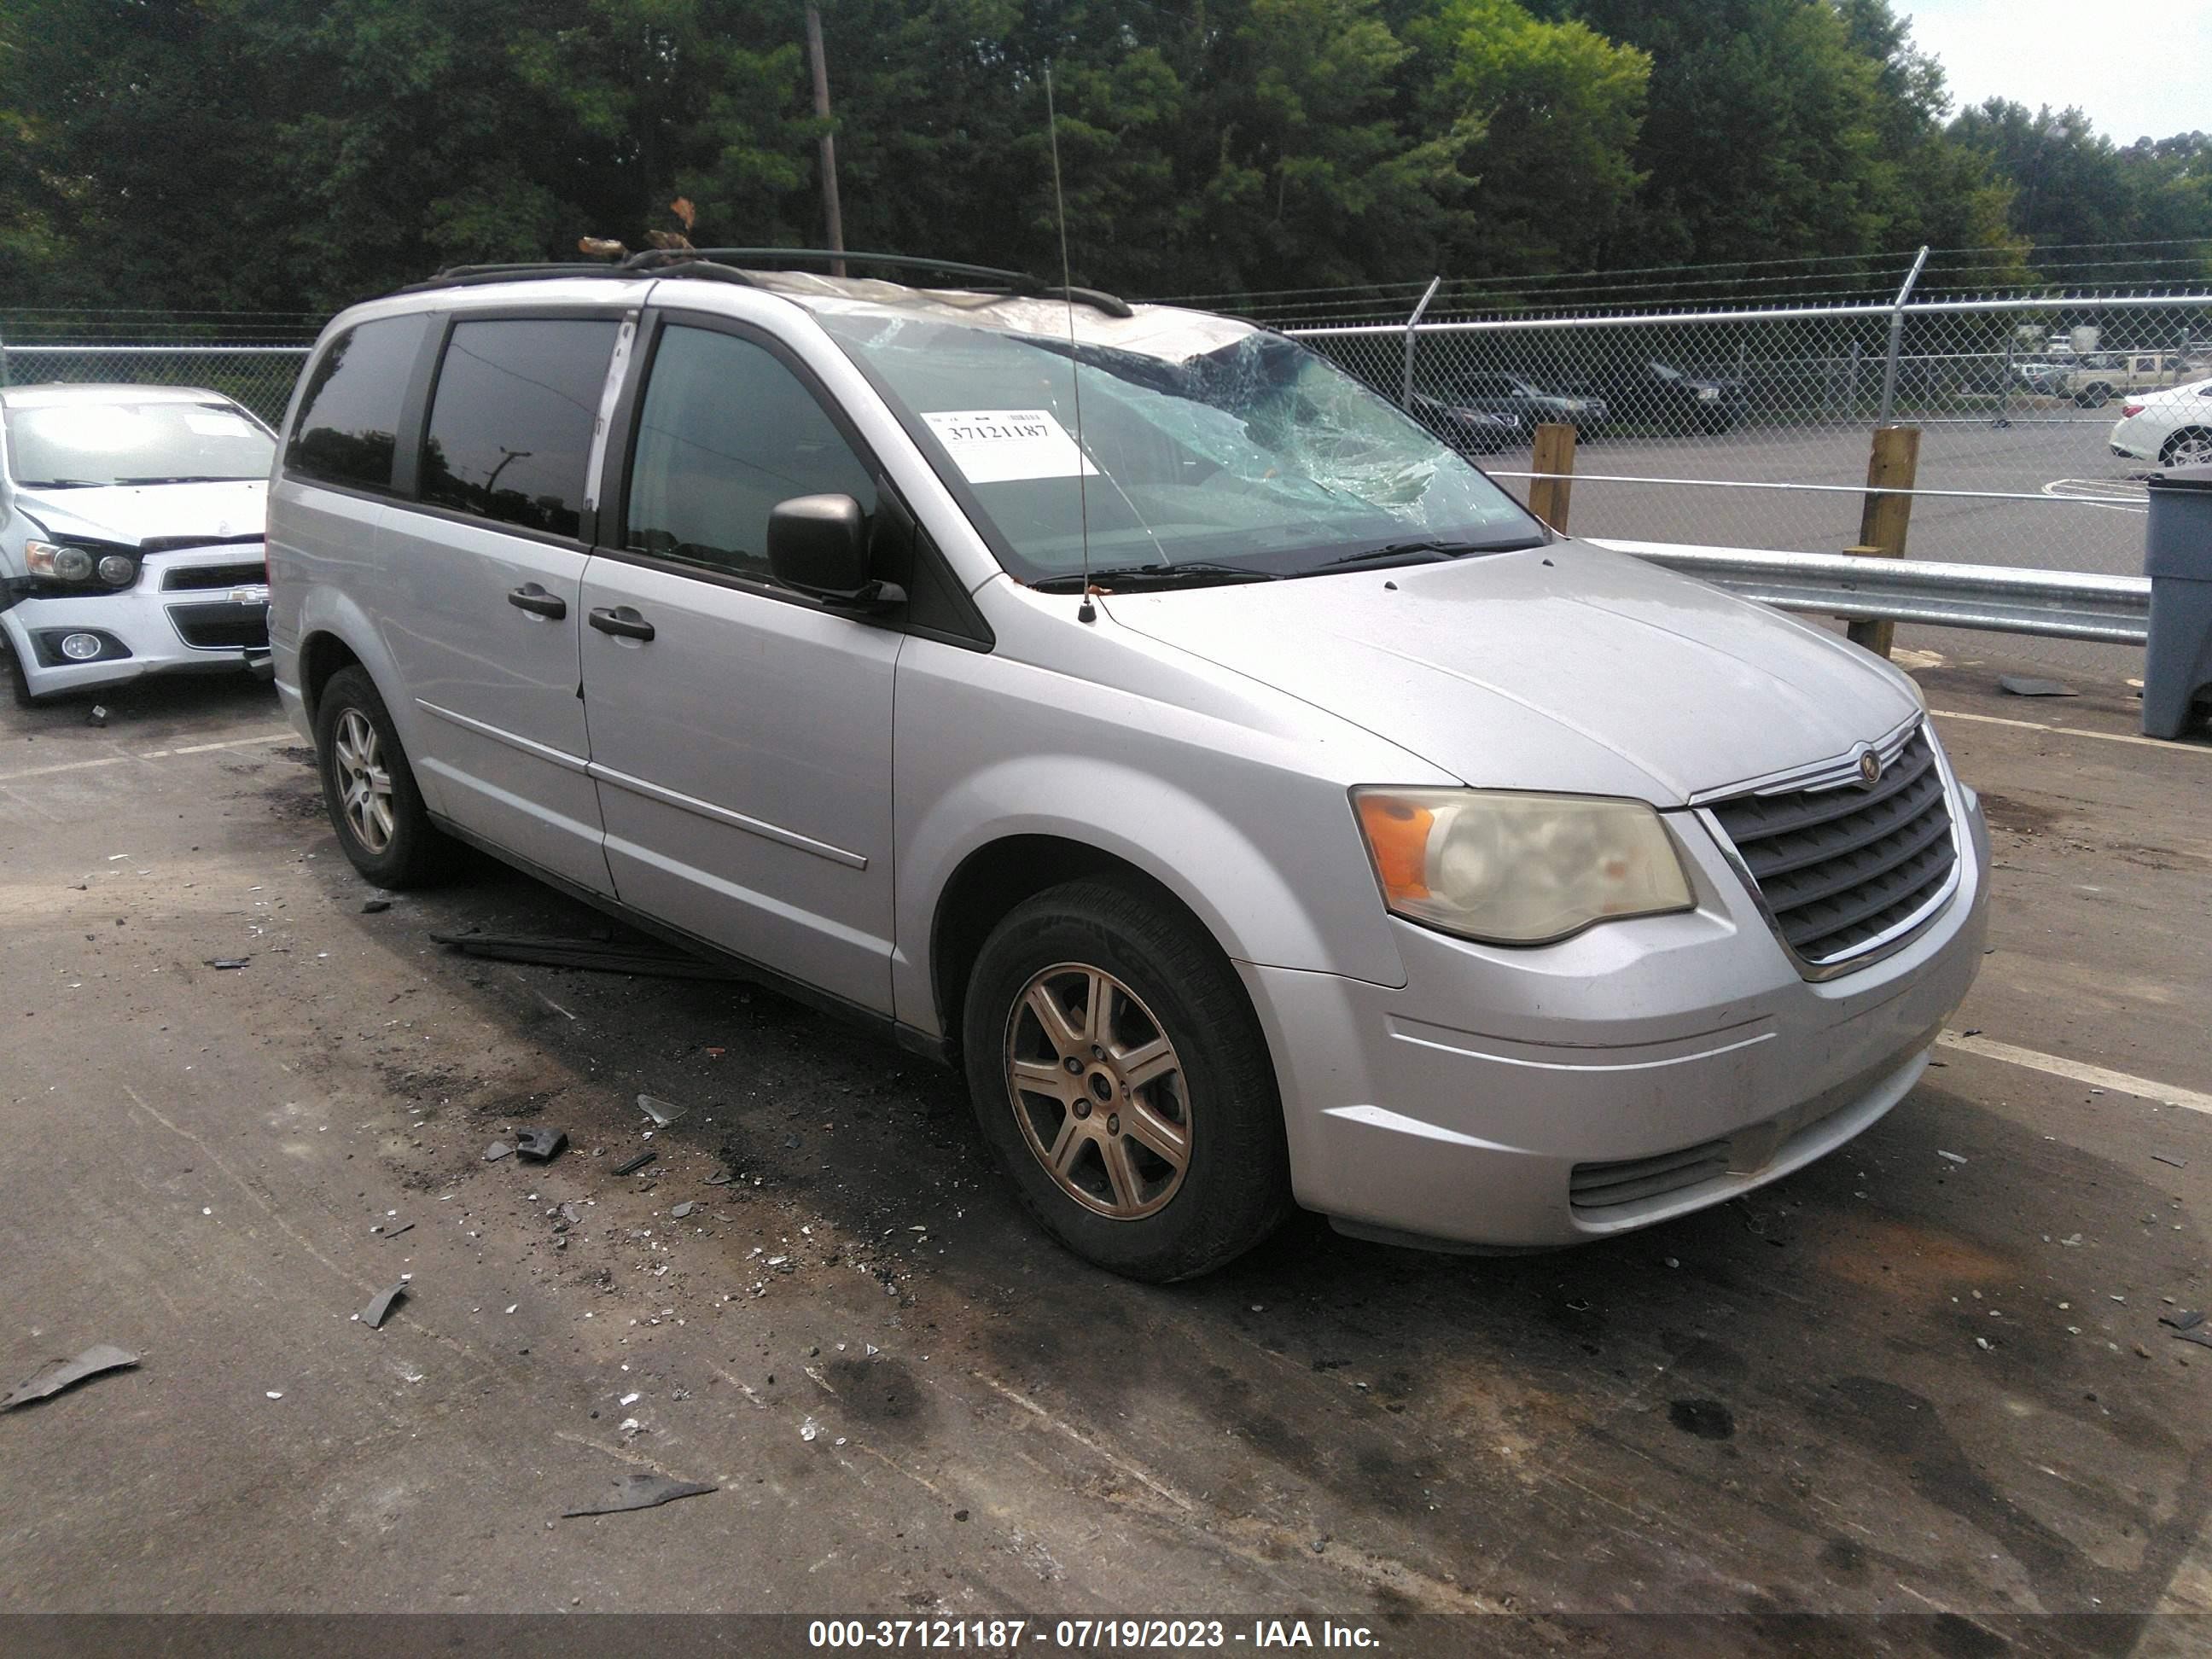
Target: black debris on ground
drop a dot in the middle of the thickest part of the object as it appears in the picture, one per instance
(540, 1146)
(636, 1163)
(101, 1357)
(380, 1308)
(641, 1491)
(643, 956)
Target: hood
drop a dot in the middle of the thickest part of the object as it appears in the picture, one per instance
(1565, 667)
(178, 515)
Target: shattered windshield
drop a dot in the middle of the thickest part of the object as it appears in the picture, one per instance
(1255, 456)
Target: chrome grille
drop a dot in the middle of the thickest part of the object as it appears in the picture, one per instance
(1842, 867)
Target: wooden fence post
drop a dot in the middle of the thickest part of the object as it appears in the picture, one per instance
(1891, 467)
(1554, 464)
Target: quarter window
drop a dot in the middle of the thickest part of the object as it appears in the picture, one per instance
(726, 432)
(348, 419)
(511, 424)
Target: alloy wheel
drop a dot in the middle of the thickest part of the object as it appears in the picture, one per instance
(364, 782)
(1098, 1091)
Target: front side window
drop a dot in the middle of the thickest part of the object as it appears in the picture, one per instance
(79, 445)
(348, 419)
(726, 431)
(1254, 454)
(511, 423)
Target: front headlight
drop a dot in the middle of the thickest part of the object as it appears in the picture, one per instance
(58, 559)
(1518, 869)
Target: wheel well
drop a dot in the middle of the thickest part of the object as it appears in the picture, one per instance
(991, 882)
(321, 656)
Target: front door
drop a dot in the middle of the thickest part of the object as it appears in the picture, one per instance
(740, 734)
(488, 580)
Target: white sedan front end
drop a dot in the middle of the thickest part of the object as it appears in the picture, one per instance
(132, 520)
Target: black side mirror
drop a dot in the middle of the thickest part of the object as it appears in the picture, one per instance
(818, 545)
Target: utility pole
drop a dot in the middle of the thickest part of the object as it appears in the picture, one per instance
(835, 219)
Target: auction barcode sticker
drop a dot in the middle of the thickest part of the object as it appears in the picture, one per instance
(997, 446)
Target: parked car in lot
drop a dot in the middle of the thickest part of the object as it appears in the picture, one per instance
(2094, 380)
(1257, 802)
(1521, 397)
(1658, 394)
(1469, 431)
(131, 530)
(2172, 427)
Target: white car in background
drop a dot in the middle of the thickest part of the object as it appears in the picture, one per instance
(2170, 428)
(131, 523)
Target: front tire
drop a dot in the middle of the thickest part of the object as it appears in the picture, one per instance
(369, 789)
(1120, 1078)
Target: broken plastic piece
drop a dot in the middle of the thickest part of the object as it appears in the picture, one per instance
(404, 1227)
(2178, 1163)
(636, 1163)
(662, 1112)
(2199, 1334)
(227, 962)
(641, 1491)
(2183, 1319)
(720, 1178)
(683, 1209)
(496, 1151)
(380, 1309)
(375, 906)
(541, 1145)
(101, 1357)
(641, 958)
(2025, 685)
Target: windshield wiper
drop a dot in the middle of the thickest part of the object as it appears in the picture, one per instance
(61, 483)
(1437, 548)
(194, 477)
(1192, 573)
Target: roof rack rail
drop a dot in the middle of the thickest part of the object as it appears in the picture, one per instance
(1014, 281)
(721, 264)
(534, 270)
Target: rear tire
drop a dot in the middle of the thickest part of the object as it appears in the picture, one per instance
(2095, 397)
(2190, 447)
(369, 789)
(1160, 1156)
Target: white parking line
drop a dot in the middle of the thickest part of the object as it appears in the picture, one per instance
(2096, 1076)
(282, 735)
(2076, 732)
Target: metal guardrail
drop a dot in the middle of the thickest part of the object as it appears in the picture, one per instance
(2057, 605)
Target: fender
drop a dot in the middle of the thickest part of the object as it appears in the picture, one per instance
(330, 610)
(1296, 903)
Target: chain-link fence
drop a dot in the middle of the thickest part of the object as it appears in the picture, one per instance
(258, 376)
(1751, 427)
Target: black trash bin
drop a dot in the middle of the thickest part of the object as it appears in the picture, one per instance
(2177, 559)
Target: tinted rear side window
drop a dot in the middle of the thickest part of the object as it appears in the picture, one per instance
(511, 423)
(350, 418)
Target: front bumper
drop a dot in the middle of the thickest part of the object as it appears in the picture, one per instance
(1639, 1071)
(170, 621)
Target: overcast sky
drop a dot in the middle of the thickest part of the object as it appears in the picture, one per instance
(2137, 68)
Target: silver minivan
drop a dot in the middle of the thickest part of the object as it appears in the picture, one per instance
(1127, 706)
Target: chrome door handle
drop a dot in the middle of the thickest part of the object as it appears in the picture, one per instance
(537, 602)
(622, 623)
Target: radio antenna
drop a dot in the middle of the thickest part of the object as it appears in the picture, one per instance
(1086, 611)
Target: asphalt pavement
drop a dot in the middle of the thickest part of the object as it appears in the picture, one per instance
(1926, 1376)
